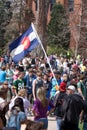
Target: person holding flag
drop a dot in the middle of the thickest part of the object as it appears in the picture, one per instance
(55, 84)
(25, 44)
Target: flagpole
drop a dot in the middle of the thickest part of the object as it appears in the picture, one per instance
(43, 50)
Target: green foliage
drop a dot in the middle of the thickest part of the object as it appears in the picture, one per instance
(55, 49)
(58, 28)
(5, 16)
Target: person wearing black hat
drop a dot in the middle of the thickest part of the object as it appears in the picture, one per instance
(58, 77)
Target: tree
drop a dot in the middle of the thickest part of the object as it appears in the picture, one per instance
(82, 45)
(58, 28)
(41, 13)
(5, 17)
(42, 21)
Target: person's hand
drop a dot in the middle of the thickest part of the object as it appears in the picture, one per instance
(47, 113)
(23, 127)
(81, 117)
(34, 99)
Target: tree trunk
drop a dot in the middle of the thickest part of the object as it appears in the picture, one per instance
(83, 32)
(29, 3)
(42, 21)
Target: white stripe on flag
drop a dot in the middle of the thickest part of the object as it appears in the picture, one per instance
(32, 36)
(17, 50)
(20, 48)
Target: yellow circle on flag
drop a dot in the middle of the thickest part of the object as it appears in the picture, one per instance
(26, 43)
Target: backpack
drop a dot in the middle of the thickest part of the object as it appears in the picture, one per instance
(12, 120)
(58, 104)
(72, 108)
(15, 118)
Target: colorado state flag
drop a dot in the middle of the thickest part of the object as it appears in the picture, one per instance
(23, 44)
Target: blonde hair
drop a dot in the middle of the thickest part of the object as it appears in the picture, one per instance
(22, 92)
(41, 95)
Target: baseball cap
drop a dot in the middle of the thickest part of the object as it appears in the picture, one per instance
(71, 87)
(62, 86)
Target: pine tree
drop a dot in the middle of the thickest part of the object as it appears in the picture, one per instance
(58, 28)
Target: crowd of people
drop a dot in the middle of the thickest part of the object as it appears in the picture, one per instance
(29, 87)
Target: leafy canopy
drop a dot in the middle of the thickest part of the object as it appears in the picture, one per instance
(58, 27)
